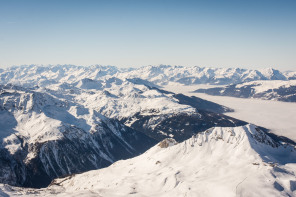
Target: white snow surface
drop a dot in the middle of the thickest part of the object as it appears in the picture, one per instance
(237, 161)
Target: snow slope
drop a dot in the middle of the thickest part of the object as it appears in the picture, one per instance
(239, 161)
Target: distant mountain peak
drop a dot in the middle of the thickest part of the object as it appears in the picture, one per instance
(162, 74)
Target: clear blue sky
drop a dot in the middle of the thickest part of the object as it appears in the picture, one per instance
(124, 33)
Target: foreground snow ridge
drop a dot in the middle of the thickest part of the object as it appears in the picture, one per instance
(229, 161)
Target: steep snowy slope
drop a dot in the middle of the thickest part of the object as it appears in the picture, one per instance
(240, 161)
(44, 75)
(268, 90)
(43, 137)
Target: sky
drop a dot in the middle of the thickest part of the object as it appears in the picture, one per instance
(133, 33)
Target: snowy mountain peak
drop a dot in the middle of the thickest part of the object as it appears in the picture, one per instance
(249, 137)
(250, 132)
(272, 74)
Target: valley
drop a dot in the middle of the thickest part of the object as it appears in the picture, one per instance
(277, 116)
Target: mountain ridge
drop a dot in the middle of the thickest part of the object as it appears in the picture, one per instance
(242, 161)
(43, 75)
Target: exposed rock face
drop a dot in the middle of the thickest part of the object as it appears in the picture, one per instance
(167, 143)
(179, 126)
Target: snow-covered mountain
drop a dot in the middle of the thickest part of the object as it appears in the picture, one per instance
(239, 161)
(63, 128)
(43, 137)
(268, 90)
(202, 75)
(160, 75)
(62, 120)
(146, 108)
(44, 75)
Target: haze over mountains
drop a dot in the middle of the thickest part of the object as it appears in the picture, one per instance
(62, 120)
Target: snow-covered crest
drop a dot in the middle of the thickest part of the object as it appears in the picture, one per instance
(239, 161)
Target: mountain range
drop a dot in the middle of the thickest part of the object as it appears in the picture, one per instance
(62, 128)
(43, 75)
(58, 122)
